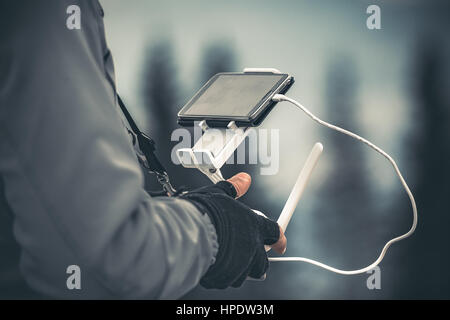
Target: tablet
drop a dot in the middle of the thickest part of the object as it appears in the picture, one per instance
(245, 98)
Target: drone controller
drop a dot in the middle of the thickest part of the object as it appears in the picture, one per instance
(226, 108)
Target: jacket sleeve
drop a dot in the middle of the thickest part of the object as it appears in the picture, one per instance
(71, 176)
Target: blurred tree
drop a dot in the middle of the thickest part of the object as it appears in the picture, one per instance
(160, 88)
(160, 92)
(217, 57)
(425, 257)
(345, 216)
(347, 190)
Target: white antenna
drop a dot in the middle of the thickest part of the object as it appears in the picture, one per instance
(296, 194)
(299, 186)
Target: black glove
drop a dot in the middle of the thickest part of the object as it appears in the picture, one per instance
(241, 234)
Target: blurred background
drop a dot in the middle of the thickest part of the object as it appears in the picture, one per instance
(389, 85)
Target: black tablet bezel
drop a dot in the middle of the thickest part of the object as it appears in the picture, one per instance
(255, 116)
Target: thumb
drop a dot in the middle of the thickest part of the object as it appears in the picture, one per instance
(241, 182)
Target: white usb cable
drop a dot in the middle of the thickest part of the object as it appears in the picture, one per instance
(279, 98)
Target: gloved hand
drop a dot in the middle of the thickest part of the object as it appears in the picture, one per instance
(241, 234)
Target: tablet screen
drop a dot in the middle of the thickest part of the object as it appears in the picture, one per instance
(233, 95)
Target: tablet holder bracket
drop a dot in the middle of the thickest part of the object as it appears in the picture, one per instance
(213, 149)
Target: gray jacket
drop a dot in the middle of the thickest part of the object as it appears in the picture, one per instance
(69, 171)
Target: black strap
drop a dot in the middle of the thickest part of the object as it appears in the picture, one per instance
(147, 146)
(130, 120)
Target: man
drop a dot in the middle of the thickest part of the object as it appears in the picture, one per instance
(71, 188)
